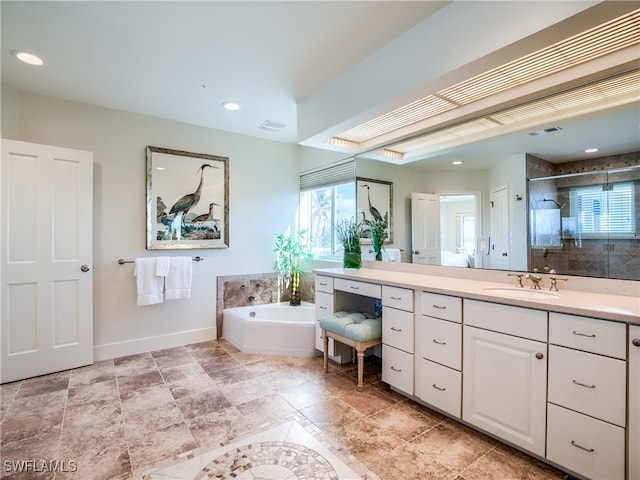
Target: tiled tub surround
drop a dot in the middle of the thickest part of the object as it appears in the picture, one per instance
(256, 289)
(154, 412)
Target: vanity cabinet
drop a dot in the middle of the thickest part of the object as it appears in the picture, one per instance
(325, 306)
(439, 352)
(398, 338)
(505, 375)
(587, 395)
(633, 447)
(563, 387)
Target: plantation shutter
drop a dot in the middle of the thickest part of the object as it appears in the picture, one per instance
(605, 209)
(343, 171)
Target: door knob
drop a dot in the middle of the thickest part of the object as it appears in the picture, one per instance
(416, 252)
(84, 268)
(539, 356)
(636, 342)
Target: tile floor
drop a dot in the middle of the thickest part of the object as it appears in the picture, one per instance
(139, 417)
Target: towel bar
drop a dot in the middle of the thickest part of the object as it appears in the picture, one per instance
(122, 261)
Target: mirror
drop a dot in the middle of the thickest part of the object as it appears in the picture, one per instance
(500, 170)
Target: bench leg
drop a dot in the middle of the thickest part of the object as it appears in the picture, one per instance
(325, 342)
(360, 369)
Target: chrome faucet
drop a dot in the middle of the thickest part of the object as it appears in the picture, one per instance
(554, 283)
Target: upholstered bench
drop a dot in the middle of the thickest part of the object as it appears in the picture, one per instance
(357, 330)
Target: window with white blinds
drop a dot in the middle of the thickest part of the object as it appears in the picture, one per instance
(607, 209)
(327, 194)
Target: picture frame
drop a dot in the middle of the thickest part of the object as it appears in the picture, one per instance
(187, 200)
(374, 199)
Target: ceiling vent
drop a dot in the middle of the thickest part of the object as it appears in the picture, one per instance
(546, 130)
(271, 126)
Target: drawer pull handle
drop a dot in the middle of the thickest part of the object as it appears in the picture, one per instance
(575, 382)
(593, 335)
(396, 329)
(352, 287)
(590, 450)
(395, 369)
(539, 356)
(439, 307)
(438, 388)
(636, 342)
(322, 308)
(395, 298)
(323, 284)
(439, 343)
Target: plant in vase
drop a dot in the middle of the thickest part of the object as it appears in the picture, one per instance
(348, 232)
(291, 252)
(378, 229)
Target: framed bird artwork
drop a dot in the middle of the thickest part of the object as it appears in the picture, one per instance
(187, 200)
(374, 205)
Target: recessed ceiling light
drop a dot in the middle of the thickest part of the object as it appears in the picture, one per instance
(457, 162)
(28, 58)
(591, 150)
(231, 106)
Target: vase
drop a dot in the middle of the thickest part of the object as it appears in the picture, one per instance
(352, 259)
(377, 241)
(294, 289)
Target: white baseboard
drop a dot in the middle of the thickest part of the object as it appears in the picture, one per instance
(147, 344)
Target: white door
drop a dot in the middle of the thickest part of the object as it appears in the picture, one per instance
(504, 386)
(425, 228)
(46, 316)
(634, 403)
(500, 229)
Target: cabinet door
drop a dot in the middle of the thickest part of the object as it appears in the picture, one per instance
(634, 403)
(504, 385)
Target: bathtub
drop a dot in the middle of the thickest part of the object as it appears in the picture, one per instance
(274, 329)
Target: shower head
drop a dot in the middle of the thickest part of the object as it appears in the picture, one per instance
(552, 200)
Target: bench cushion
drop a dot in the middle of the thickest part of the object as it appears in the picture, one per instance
(360, 327)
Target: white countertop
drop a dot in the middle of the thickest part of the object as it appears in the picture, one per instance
(606, 306)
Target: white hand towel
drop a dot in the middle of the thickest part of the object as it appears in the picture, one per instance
(149, 285)
(178, 283)
(162, 266)
(393, 254)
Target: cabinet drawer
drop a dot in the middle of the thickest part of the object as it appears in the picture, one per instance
(439, 341)
(397, 369)
(401, 298)
(441, 306)
(518, 321)
(360, 288)
(588, 383)
(324, 284)
(439, 386)
(588, 334)
(324, 304)
(585, 445)
(397, 328)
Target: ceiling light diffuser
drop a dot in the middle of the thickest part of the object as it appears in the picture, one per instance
(591, 150)
(28, 58)
(457, 162)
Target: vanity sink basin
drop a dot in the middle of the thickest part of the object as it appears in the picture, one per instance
(522, 293)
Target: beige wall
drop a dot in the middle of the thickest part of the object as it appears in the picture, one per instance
(262, 202)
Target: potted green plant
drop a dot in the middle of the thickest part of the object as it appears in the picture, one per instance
(348, 232)
(291, 252)
(377, 229)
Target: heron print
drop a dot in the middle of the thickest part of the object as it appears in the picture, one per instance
(374, 204)
(188, 195)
